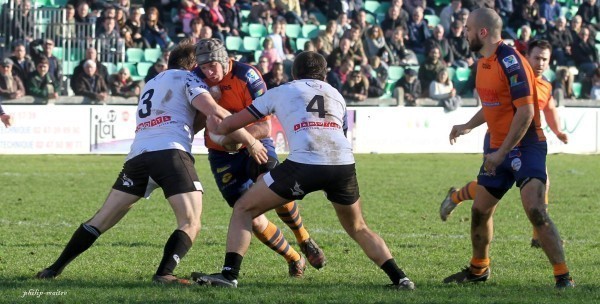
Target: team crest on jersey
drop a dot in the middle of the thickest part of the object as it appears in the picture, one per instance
(514, 81)
(509, 61)
(252, 76)
(516, 164)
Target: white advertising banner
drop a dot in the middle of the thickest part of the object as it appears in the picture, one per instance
(41, 129)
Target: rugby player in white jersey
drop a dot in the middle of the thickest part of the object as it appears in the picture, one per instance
(313, 116)
(160, 156)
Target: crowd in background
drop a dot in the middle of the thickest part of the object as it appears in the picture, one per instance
(365, 47)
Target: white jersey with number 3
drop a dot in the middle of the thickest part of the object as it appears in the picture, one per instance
(165, 115)
(312, 114)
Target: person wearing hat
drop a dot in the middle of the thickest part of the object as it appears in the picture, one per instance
(408, 89)
(11, 86)
(234, 85)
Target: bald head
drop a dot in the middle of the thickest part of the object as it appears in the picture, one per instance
(487, 18)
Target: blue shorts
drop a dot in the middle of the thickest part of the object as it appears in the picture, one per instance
(521, 164)
(234, 173)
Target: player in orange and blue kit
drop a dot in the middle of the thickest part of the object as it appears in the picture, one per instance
(234, 86)
(538, 56)
(516, 151)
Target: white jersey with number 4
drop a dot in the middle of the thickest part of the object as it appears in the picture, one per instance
(165, 115)
(312, 114)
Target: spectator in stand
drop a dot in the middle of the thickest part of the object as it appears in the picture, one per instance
(329, 38)
(124, 6)
(64, 31)
(442, 90)
(281, 41)
(121, 19)
(233, 18)
(562, 86)
(340, 53)
(423, 4)
(22, 63)
(132, 31)
(561, 40)
(122, 85)
(206, 32)
(196, 26)
(408, 89)
(576, 25)
(54, 66)
(356, 45)
(588, 10)
(90, 54)
(270, 52)
(41, 84)
(109, 41)
(527, 12)
(460, 46)
(472, 5)
(23, 22)
(290, 10)
(438, 39)
(395, 17)
(356, 87)
(463, 15)
(90, 84)
(400, 55)
(505, 9)
(550, 11)
(449, 13)
(11, 86)
(375, 44)
(595, 91)
(154, 32)
(82, 13)
(276, 76)
(263, 65)
(418, 32)
(188, 10)
(110, 12)
(318, 46)
(214, 16)
(521, 44)
(585, 54)
(158, 67)
(260, 13)
(376, 88)
(339, 74)
(379, 70)
(343, 25)
(361, 21)
(430, 68)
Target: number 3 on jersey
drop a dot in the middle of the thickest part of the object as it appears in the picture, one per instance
(144, 112)
(317, 104)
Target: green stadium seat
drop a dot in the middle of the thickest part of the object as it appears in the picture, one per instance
(152, 55)
(293, 30)
(130, 66)
(598, 37)
(383, 8)
(371, 19)
(257, 30)
(371, 6)
(577, 89)
(134, 55)
(320, 17)
(550, 75)
(300, 42)
(441, 3)
(234, 44)
(69, 66)
(244, 28)
(462, 74)
(143, 67)
(395, 73)
(432, 20)
(58, 52)
(110, 67)
(257, 54)
(389, 89)
(244, 15)
(77, 54)
(451, 72)
(310, 31)
(252, 44)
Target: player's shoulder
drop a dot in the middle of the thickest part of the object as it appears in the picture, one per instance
(543, 83)
(245, 72)
(508, 57)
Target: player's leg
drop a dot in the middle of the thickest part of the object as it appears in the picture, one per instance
(351, 218)
(271, 235)
(535, 242)
(256, 201)
(117, 204)
(532, 196)
(174, 172)
(455, 197)
(288, 213)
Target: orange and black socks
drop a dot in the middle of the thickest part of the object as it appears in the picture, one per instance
(273, 238)
(290, 215)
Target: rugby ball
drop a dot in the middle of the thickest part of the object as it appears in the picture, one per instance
(219, 139)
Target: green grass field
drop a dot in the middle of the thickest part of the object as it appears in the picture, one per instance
(44, 199)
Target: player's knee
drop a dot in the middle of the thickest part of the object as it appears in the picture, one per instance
(478, 217)
(538, 216)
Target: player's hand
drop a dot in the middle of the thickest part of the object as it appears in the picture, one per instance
(258, 152)
(563, 137)
(458, 130)
(6, 120)
(212, 123)
(492, 161)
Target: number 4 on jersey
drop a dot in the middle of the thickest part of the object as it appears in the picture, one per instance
(319, 100)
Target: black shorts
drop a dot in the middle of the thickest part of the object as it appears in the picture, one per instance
(172, 170)
(292, 180)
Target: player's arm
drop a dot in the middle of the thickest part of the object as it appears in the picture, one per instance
(230, 123)
(518, 127)
(199, 122)
(458, 130)
(260, 129)
(553, 121)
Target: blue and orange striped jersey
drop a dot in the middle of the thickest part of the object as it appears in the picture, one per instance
(239, 87)
(504, 82)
